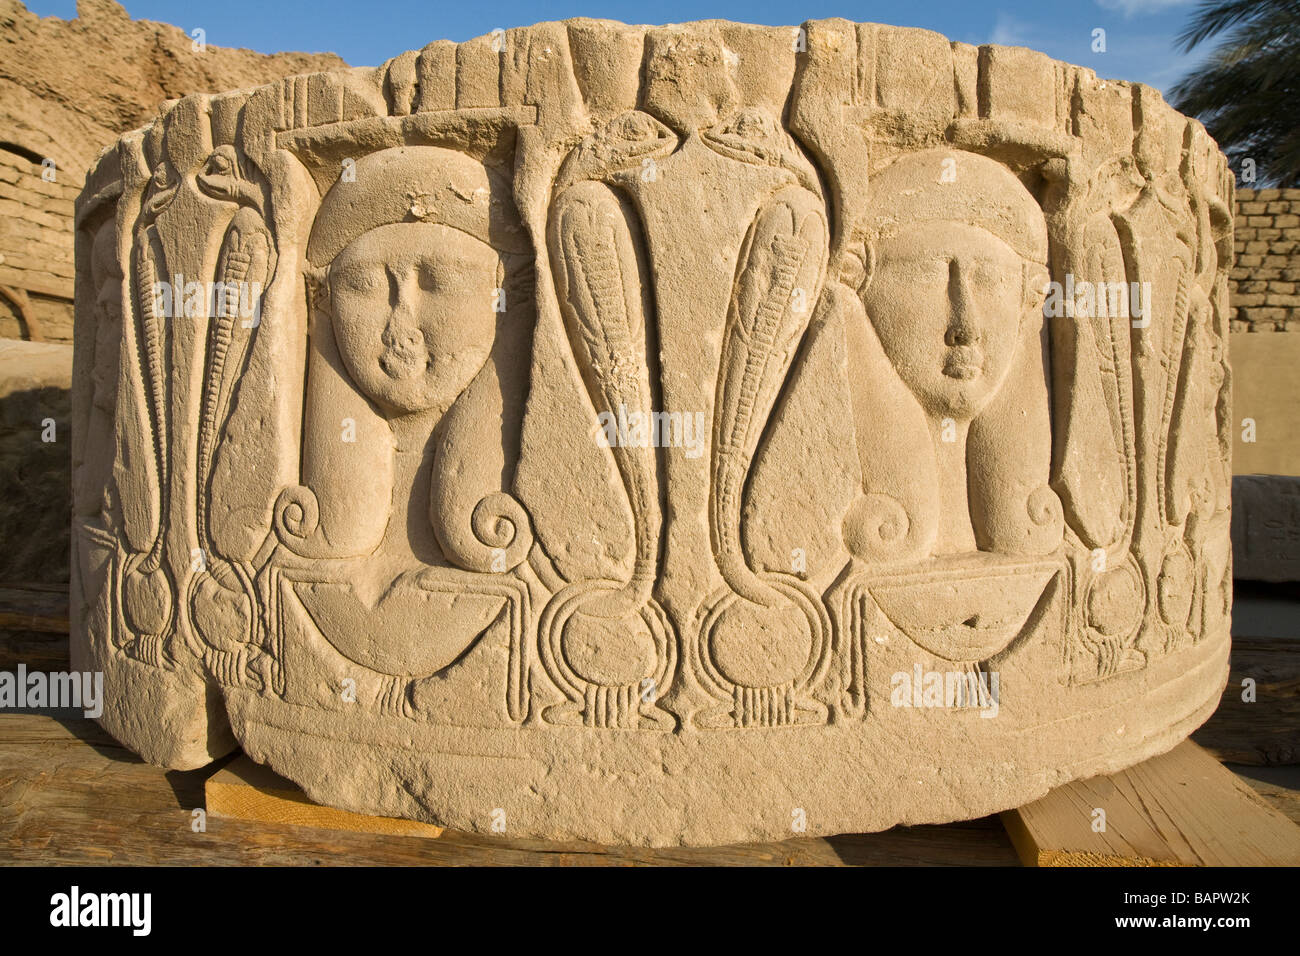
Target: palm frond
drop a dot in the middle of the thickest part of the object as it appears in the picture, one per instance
(1246, 92)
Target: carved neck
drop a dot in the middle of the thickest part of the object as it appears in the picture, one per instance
(956, 535)
(409, 538)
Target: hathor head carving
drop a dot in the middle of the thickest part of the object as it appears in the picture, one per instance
(956, 252)
(415, 245)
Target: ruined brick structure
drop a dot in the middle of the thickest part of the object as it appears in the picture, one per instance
(1265, 285)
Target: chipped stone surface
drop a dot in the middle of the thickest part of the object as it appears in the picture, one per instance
(685, 434)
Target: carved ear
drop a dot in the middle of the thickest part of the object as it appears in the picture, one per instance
(858, 264)
(1035, 288)
(318, 289)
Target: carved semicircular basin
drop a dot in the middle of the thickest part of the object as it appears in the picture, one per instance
(410, 632)
(965, 613)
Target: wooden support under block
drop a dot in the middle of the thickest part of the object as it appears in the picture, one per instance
(249, 791)
(1182, 808)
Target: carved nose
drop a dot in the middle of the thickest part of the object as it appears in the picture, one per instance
(960, 330)
(399, 333)
(963, 322)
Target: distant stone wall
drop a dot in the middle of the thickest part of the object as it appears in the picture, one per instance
(1265, 287)
(51, 114)
(1264, 294)
(36, 267)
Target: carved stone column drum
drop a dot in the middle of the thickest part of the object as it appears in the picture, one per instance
(686, 434)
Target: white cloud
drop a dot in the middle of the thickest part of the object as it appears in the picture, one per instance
(1008, 31)
(1136, 8)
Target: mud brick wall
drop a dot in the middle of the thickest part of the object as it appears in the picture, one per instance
(1265, 284)
(50, 109)
(36, 262)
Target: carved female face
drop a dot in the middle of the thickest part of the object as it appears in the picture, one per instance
(946, 301)
(413, 312)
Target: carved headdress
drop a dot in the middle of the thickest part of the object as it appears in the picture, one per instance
(417, 184)
(940, 185)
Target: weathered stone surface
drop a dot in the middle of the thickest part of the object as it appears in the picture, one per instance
(1266, 527)
(644, 433)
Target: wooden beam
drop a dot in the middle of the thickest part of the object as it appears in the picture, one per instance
(1183, 808)
(1263, 728)
(27, 607)
(248, 791)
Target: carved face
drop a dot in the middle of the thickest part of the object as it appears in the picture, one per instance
(413, 312)
(946, 301)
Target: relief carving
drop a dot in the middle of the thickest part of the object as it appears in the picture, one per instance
(621, 427)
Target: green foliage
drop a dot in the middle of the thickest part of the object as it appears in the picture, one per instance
(1248, 94)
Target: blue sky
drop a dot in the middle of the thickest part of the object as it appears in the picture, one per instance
(1139, 33)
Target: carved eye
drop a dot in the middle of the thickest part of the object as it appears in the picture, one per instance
(637, 127)
(426, 277)
(220, 163)
(356, 281)
(750, 123)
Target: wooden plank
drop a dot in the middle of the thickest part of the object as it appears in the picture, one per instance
(1280, 786)
(1265, 730)
(27, 607)
(244, 790)
(1182, 808)
(33, 627)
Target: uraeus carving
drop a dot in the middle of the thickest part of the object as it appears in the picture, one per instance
(602, 423)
